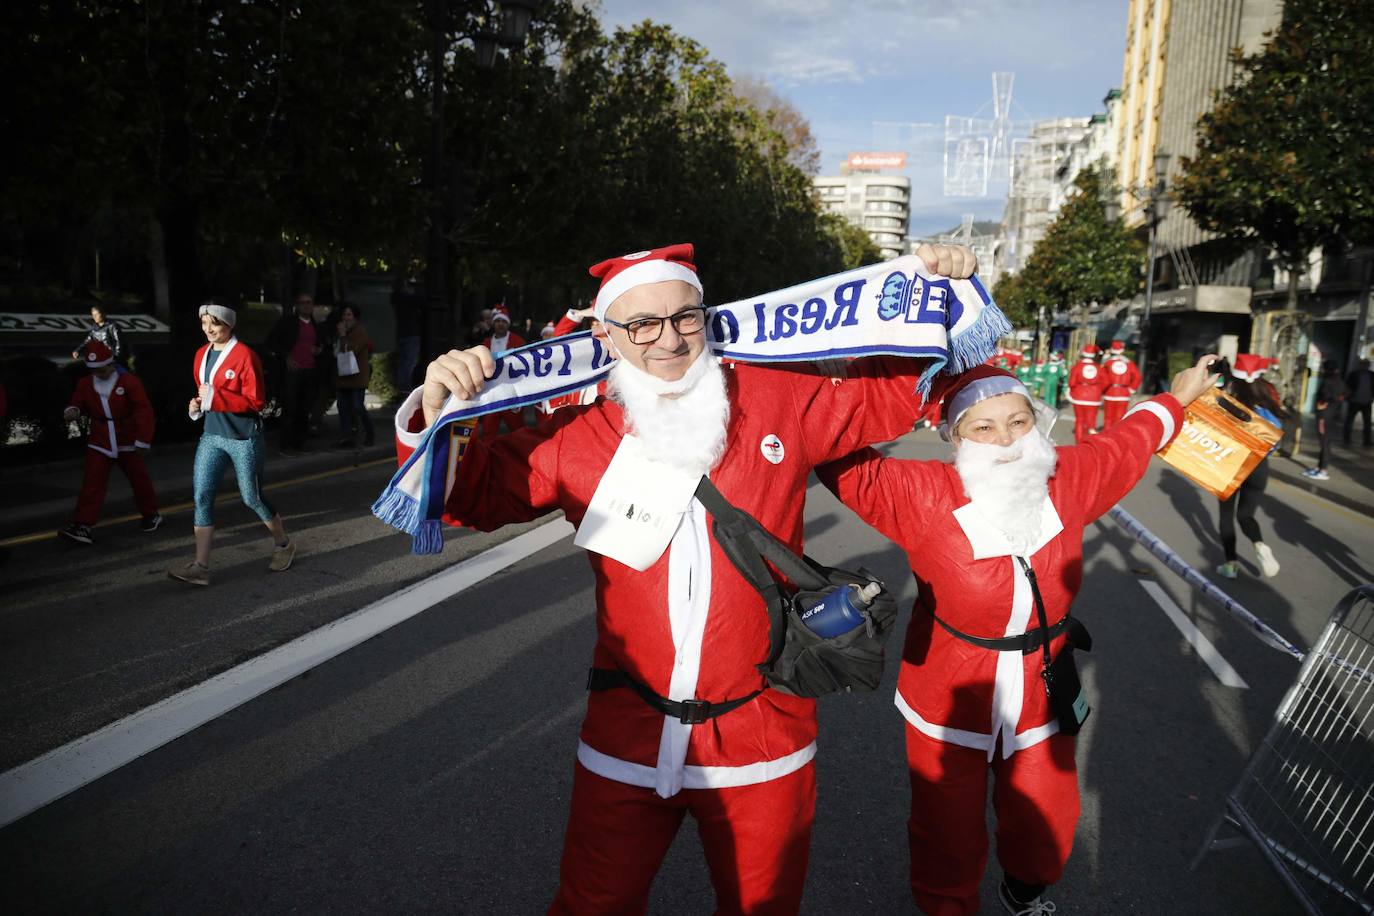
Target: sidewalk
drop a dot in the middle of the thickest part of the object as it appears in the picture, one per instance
(39, 498)
(1351, 468)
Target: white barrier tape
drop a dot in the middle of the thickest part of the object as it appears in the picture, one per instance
(1261, 630)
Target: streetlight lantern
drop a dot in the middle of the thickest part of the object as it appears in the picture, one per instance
(1161, 168)
(1112, 206)
(515, 21)
(486, 43)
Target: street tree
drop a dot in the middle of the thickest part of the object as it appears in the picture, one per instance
(1082, 259)
(1286, 156)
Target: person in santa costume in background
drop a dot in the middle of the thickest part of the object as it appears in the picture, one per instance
(1246, 383)
(230, 394)
(1010, 496)
(1123, 381)
(502, 338)
(688, 626)
(121, 431)
(1086, 384)
(571, 321)
(1056, 375)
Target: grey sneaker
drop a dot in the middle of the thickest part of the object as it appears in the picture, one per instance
(192, 573)
(282, 557)
(150, 523)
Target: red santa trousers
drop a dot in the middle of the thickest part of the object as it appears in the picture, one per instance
(97, 477)
(1084, 421)
(1035, 797)
(757, 839)
(1112, 412)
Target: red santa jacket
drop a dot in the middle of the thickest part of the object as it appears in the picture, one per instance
(782, 423)
(952, 690)
(1123, 378)
(567, 324)
(237, 384)
(1086, 383)
(121, 415)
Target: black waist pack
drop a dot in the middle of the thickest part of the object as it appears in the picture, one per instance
(801, 662)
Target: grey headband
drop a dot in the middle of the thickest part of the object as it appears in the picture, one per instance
(975, 391)
(223, 312)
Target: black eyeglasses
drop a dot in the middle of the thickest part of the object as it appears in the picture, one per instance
(648, 330)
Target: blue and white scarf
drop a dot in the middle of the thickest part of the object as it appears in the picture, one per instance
(896, 308)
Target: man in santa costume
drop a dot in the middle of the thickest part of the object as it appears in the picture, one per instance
(1123, 381)
(1086, 384)
(673, 614)
(970, 687)
(502, 338)
(121, 431)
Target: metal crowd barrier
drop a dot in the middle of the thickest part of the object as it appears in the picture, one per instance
(1306, 797)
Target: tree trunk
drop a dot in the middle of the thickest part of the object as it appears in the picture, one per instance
(157, 257)
(179, 221)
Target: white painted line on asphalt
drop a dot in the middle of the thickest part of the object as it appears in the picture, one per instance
(1205, 650)
(46, 778)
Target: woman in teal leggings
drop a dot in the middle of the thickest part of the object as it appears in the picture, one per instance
(229, 396)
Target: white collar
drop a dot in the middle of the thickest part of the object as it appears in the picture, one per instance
(987, 540)
(103, 386)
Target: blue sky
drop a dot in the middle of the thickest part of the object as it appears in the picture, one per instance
(846, 64)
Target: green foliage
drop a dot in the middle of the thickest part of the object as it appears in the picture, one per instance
(1014, 299)
(1286, 157)
(232, 138)
(1081, 260)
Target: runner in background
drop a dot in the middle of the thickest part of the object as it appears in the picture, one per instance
(1245, 383)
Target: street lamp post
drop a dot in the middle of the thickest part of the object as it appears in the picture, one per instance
(515, 21)
(1153, 197)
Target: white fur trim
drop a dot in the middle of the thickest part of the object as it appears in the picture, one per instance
(1166, 419)
(403, 414)
(139, 443)
(987, 541)
(655, 271)
(1074, 400)
(695, 777)
(975, 740)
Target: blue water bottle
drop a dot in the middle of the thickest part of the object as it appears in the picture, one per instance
(839, 610)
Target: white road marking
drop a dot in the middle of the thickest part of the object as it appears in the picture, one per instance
(63, 770)
(1205, 650)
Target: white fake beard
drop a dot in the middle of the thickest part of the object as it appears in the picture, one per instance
(681, 423)
(1008, 484)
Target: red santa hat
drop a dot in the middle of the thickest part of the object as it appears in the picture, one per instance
(97, 355)
(620, 275)
(499, 313)
(1118, 346)
(1090, 351)
(968, 388)
(1249, 366)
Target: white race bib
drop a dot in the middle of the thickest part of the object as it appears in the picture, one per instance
(636, 508)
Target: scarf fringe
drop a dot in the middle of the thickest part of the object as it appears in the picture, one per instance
(402, 512)
(976, 343)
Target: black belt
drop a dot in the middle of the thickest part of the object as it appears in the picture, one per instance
(688, 712)
(1027, 642)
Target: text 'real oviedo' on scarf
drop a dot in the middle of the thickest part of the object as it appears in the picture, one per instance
(896, 308)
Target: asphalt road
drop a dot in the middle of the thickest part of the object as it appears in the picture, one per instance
(428, 769)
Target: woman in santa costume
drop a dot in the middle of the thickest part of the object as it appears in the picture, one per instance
(121, 431)
(673, 614)
(970, 687)
(230, 393)
(501, 339)
(1123, 381)
(1086, 384)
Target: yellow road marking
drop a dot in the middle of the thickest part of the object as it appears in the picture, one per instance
(182, 507)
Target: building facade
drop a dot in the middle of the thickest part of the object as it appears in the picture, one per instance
(879, 204)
